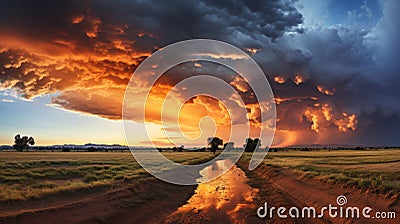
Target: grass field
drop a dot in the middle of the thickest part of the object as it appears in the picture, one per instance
(27, 175)
(36, 174)
(373, 170)
(110, 187)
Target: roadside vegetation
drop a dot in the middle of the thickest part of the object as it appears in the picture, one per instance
(29, 175)
(370, 170)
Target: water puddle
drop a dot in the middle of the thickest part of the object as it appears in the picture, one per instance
(227, 199)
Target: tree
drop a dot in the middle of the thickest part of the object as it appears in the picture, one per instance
(252, 144)
(22, 143)
(214, 142)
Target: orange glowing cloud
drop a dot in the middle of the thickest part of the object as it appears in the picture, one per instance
(327, 111)
(240, 84)
(279, 79)
(322, 116)
(85, 59)
(298, 79)
(279, 100)
(346, 122)
(252, 50)
(193, 111)
(314, 118)
(77, 19)
(198, 65)
(326, 91)
(200, 107)
(89, 74)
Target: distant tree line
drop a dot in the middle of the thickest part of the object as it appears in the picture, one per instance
(213, 144)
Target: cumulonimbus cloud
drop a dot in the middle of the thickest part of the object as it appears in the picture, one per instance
(86, 53)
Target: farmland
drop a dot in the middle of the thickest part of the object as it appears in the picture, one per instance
(30, 175)
(373, 170)
(112, 187)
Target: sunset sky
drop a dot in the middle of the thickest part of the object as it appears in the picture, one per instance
(332, 65)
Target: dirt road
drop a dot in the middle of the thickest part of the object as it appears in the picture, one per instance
(235, 198)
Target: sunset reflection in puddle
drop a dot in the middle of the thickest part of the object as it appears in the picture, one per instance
(227, 199)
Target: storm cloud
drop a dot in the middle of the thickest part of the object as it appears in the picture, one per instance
(335, 83)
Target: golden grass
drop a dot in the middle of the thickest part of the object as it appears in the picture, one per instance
(372, 170)
(25, 175)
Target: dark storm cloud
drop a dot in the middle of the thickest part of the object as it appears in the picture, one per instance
(359, 66)
(178, 20)
(245, 23)
(101, 42)
(343, 70)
